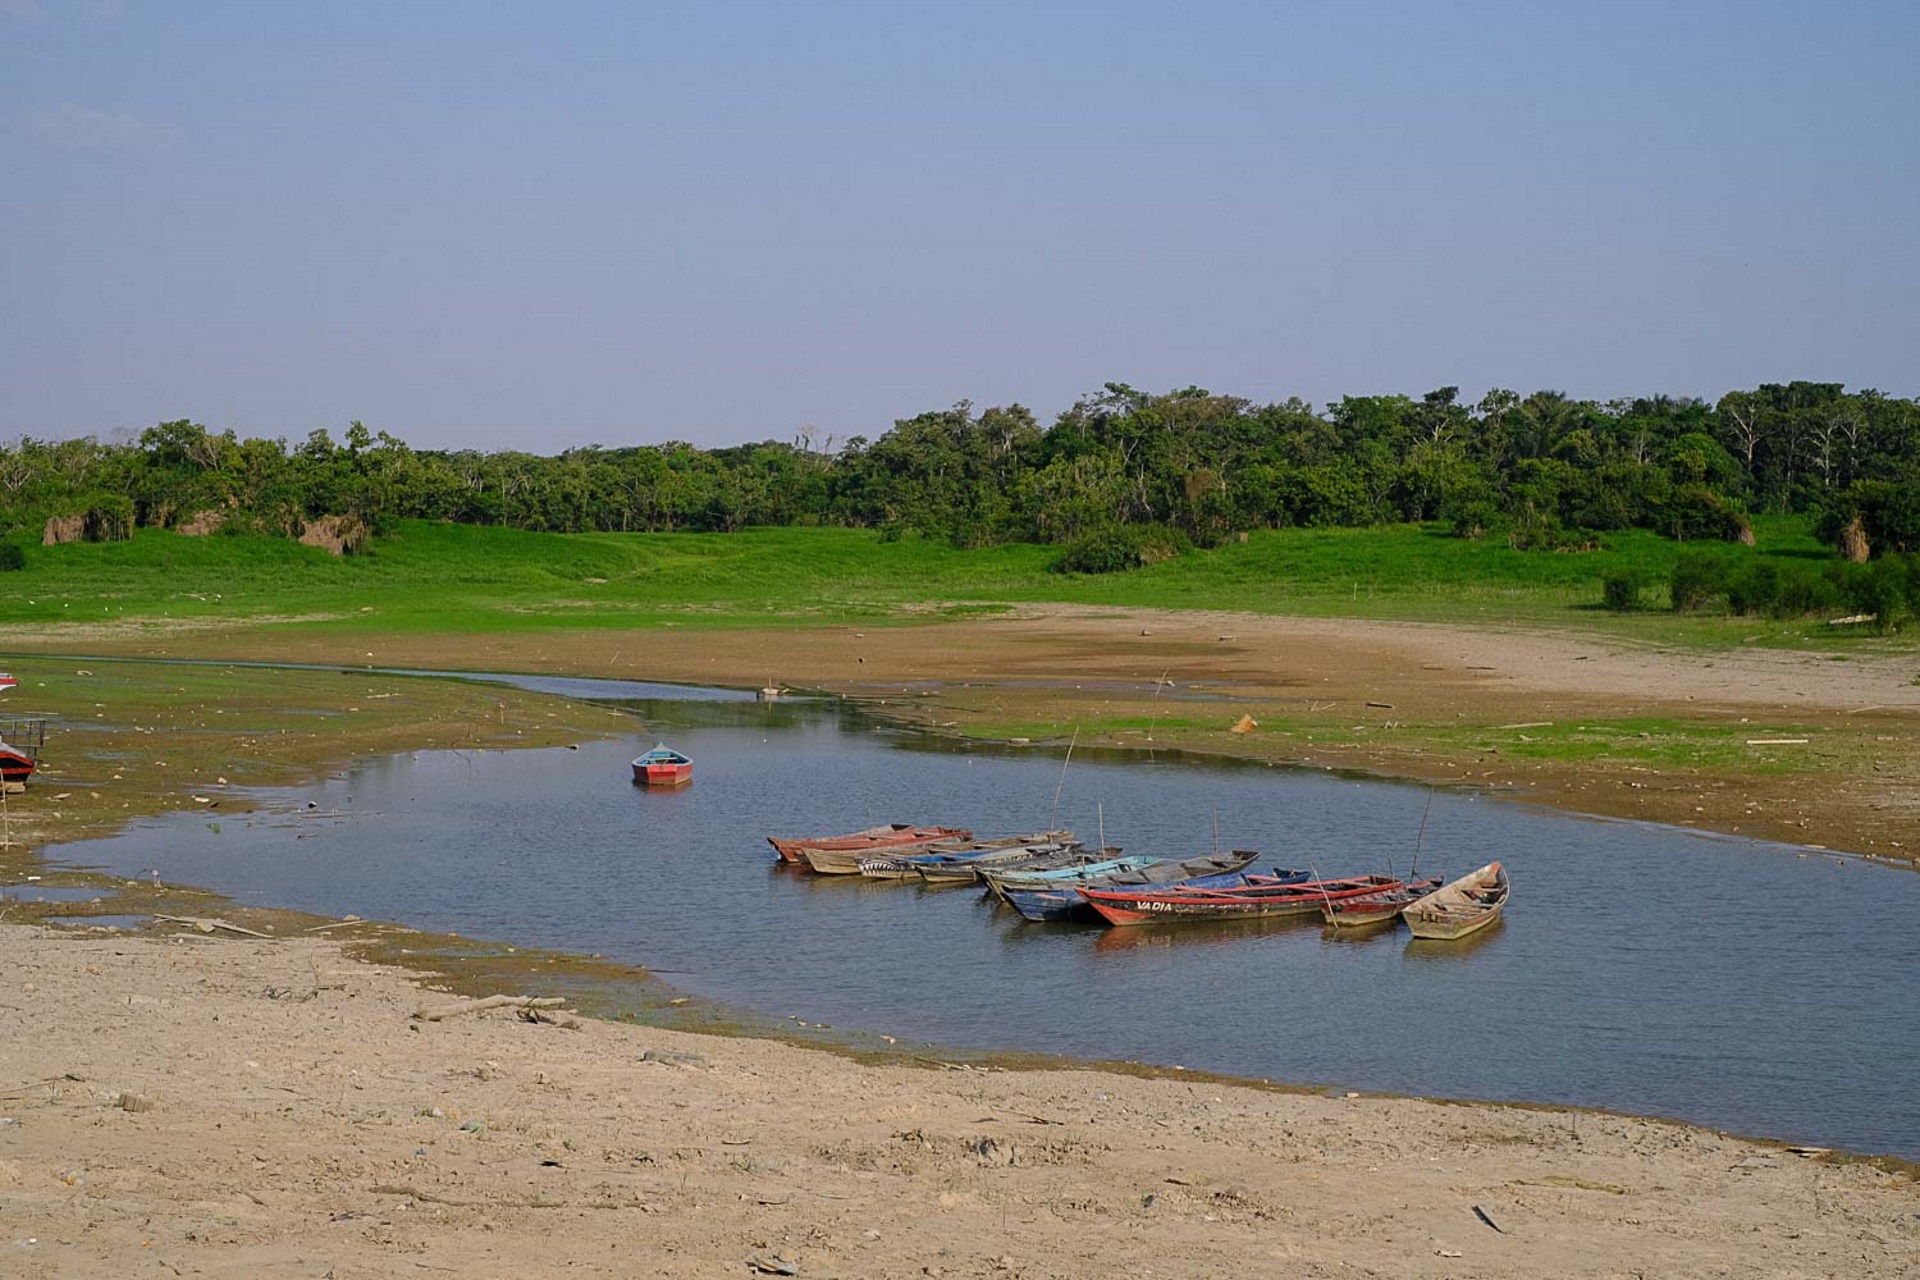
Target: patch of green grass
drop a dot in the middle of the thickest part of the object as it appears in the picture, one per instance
(1086, 728)
(1659, 744)
(464, 579)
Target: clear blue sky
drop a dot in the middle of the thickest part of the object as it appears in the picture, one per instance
(540, 225)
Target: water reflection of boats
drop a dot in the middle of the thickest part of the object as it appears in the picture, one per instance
(1204, 933)
(1358, 937)
(1447, 950)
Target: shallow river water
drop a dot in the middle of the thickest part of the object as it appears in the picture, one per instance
(1759, 988)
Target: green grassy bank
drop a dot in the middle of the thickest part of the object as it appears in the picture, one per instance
(463, 579)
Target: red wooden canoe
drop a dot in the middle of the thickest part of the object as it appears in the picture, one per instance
(663, 767)
(1376, 908)
(898, 835)
(1147, 906)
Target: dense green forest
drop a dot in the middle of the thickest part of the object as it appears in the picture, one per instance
(1118, 477)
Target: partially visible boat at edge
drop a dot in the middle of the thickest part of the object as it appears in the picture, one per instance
(16, 766)
(20, 756)
(1465, 906)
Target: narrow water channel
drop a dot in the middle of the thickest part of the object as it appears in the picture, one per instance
(1759, 988)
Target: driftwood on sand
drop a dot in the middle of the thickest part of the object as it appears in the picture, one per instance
(490, 1002)
(207, 925)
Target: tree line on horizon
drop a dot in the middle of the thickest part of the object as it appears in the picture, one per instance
(1118, 477)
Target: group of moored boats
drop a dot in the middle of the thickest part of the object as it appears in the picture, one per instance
(1050, 875)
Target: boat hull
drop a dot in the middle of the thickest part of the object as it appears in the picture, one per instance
(852, 862)
(1466, 906)
(1448, 930)
(1053, 905)
(15, 768)
(963, 865)
(873, 840)
(1257, 902)
(1375, 909)
(663, 767)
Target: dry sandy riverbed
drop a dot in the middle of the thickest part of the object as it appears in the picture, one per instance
(229, 1107)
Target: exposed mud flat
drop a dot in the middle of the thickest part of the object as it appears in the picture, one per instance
(1804, 747)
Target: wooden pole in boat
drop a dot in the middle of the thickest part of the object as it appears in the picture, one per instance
(1053, 824)
(1216, 833)
(1418, 837)
(1326, 895)
(1100, 818)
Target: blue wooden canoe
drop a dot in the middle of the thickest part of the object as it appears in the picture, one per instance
(999, 880)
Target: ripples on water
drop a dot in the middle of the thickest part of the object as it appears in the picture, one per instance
(1745, 986)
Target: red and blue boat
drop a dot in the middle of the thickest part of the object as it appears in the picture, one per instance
(663, 767)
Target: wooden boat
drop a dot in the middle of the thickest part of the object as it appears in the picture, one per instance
(951, 864)
(898, 835)
(906, 865)
(1259, 897)
(1466, 906)
(16, 766)
(7, 682)
(1376, 908)
(847, 862)
(20, 756)
(1000, 879)
(1061, 900)
(1067, 861)
(964, 866)
(662, 767)
(1140, 871)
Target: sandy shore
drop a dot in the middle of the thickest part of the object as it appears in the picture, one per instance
(227, 1107)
